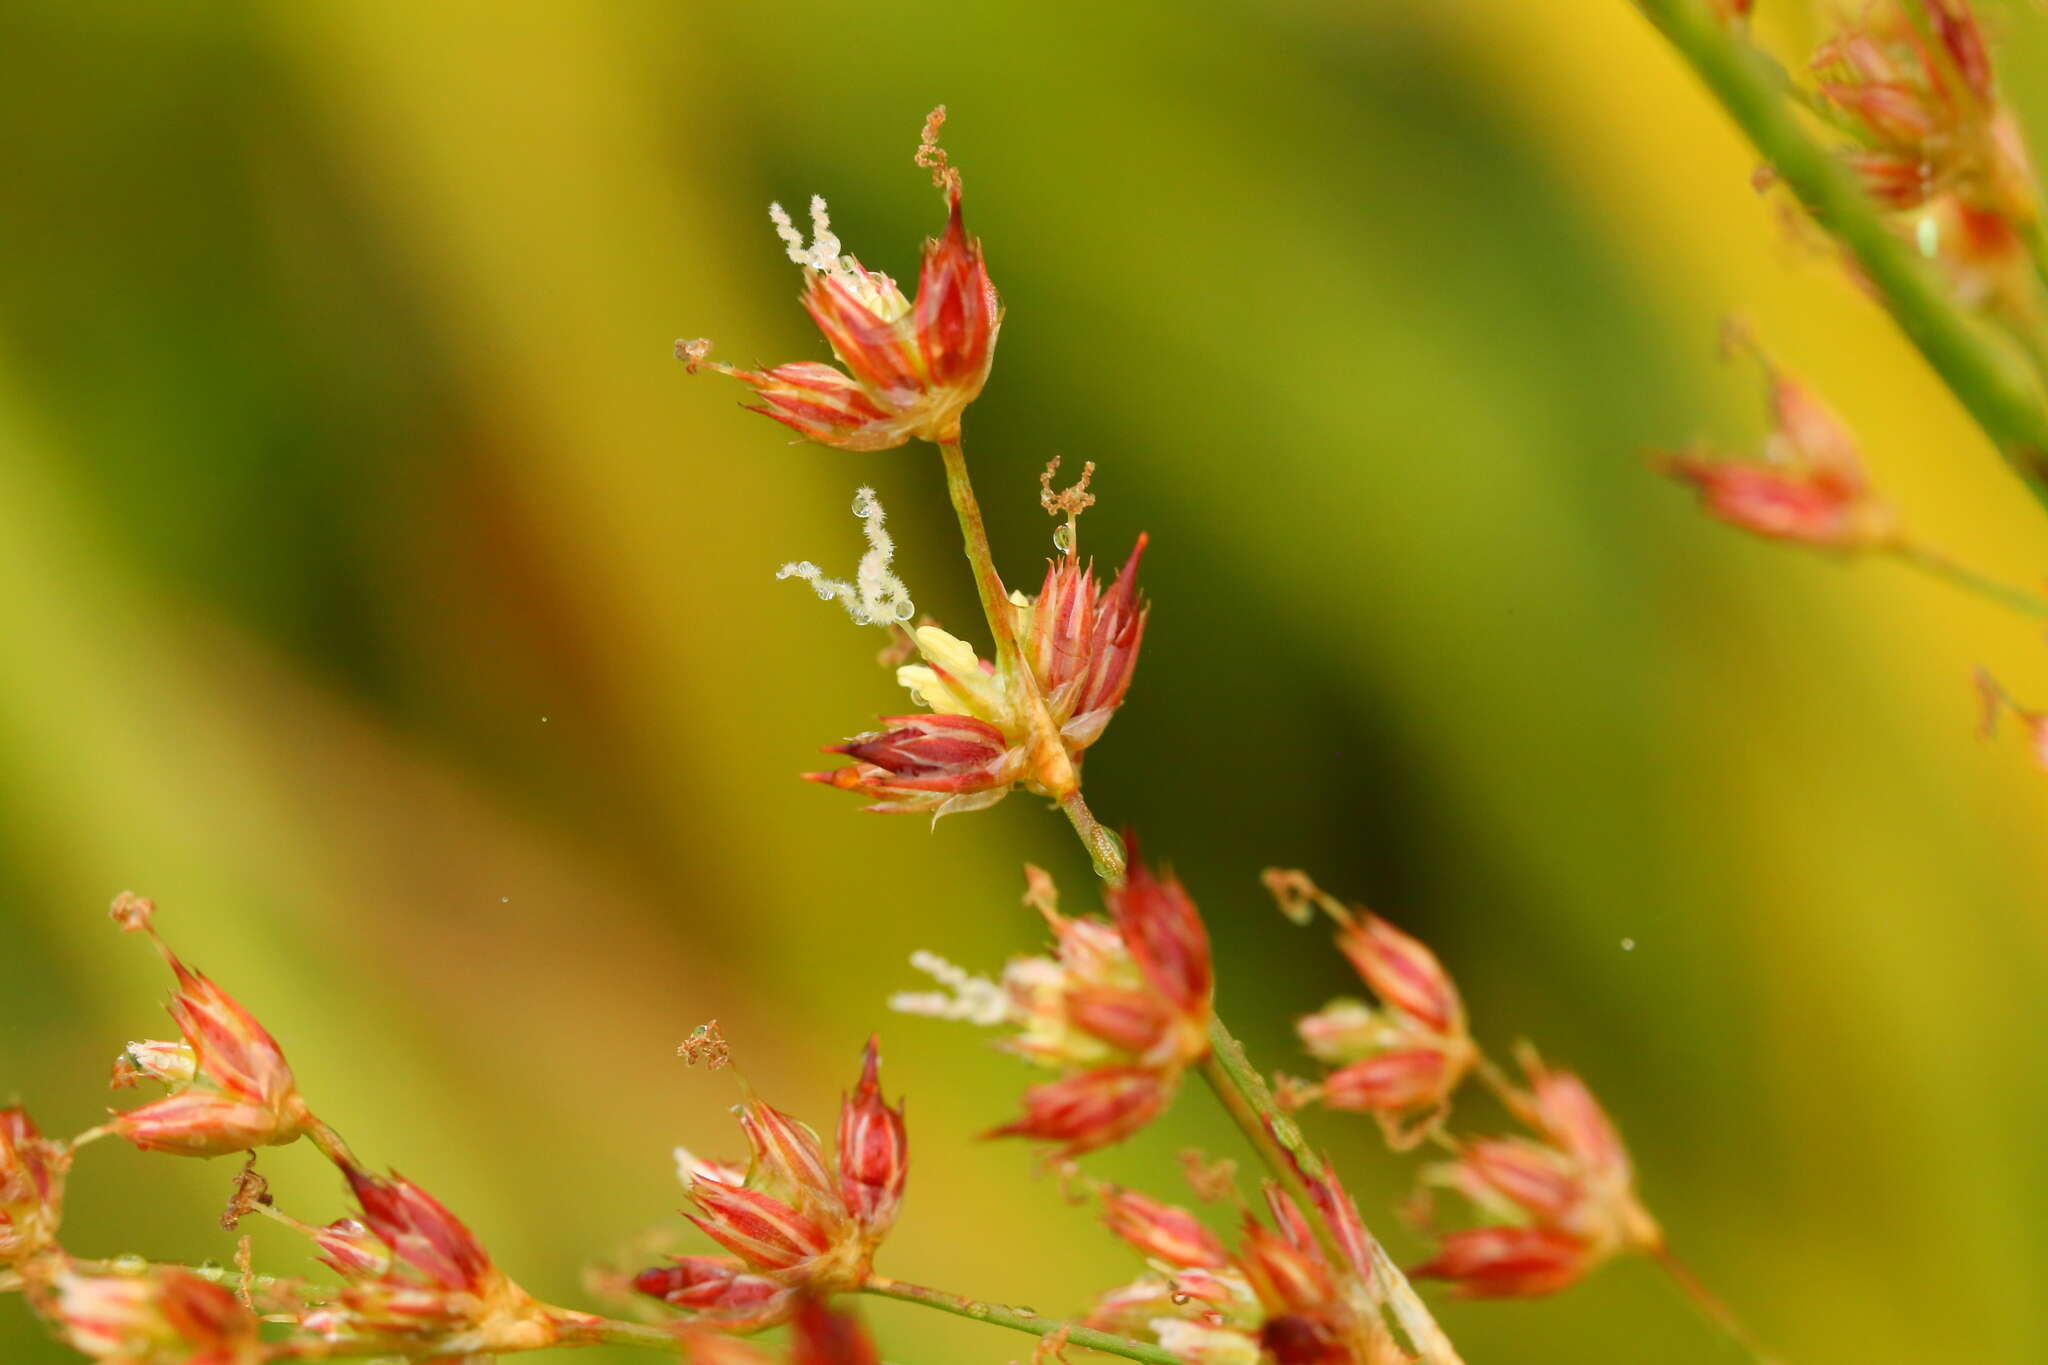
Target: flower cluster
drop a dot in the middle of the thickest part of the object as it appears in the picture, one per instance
(985, 727)
(32, 1171)
(1278, 1296)
(1912, 80)
(1122, 1007)
(230, 1087)
(164, 1316)
(413, 1272)
(911, 367)
(1807, 486)
(1398, 1061)
(1559, 1204)
(794, 1226)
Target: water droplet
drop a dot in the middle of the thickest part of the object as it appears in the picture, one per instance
(504, 900)
(1628, 945)
(211, 1270)
(1063, 538)
(864, 504)
(905, 609)
(1024, 1312)
(543, 720)
(128, 1265)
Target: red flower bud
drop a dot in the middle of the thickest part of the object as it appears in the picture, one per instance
(759, 1228)
(1408, 1078)
(1090, 1109)
(1083, 644)
(716, 1285)
(1507, 1262)
(1527, 1174)
(1403, 973)
(1162, 1231)
(1164, 933)
(874, 1151)
(923, 762)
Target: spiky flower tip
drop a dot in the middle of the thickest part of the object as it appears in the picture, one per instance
(1556, 1206)
(412, 1271)
(911, 368)
(230, 1087)
(1806, 486)
(794, 1225)
(978, 738)
(32, 1169)
(1122, 1008)
(1401, 1060)
(1917, 92)
(1276, 1297)
(165, 1316)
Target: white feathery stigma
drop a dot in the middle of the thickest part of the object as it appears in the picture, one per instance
(967, 998)
(876, 596)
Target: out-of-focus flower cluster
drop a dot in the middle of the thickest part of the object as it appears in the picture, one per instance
(1807, 484)
(1278, 1295)
(1121, 1007)
(1553, 1207)
(1400, 1061)
(794, 1225)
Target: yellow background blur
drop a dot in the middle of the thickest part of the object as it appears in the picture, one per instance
(379, 595)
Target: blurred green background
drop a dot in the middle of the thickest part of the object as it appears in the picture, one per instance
(379, 595)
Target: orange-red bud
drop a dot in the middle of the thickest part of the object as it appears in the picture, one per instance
(1507, 1262)
(1403, 973)
(1090, 1109)
(874, 1152)
(1162, 1231)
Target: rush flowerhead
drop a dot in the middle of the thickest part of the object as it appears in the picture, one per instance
(792, 1225)
(1401, 1060)
(1121, 1007)
(989, 726)
(1912, 81)
(165, 1316)
(230, 1087)
(1806, 486)
(32, 1169)
(1277, 1296)
(911, 367)
(413, 1271)
(1552, 1208)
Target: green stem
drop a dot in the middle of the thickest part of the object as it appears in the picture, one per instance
(1019, 1320)
(1992, 383)
(576, 1329)
(995, 602)
(1969, 580)
(1105, 850)
(1051, 767)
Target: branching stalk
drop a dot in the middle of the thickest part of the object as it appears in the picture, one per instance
(1019, 1320)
